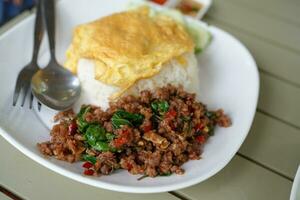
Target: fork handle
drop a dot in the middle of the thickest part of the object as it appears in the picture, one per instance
(49, 18)
(38, 33)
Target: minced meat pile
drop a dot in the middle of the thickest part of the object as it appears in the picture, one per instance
(152, 134)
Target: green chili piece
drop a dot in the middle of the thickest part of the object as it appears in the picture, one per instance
(89, 158)
(211, 131)
(101, 146)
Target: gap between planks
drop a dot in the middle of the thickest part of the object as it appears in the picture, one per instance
(273, 42)
(178, 195)
(297, 85)
(263, 140)
(13, 196)
(247, 34)
(277, 118)
(9, 194)
(267, 28)
(274, 12)
(264, 166)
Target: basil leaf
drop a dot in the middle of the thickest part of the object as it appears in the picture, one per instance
(132, 117)
(83, 111)
(94, 133)
(190, 126)
(136, 119)
(97, 138)
(121, 117)
(154, 106)
(156, 119)
(110, 136)
(82, 124)
(211, 131)
(113, 149)
(117, 122)
(166, 174)
(89, 158)
(210, 115)
(185, 118)
(160, 107)
(163, 106)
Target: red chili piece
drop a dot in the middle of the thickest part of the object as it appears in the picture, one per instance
(147, 128)
(199, 127)
(88, 172)
(123, 138)
(201, 139)
(120, 141)
(87, 165)
(171, 114)
(124, 133)
(161, 2)
(129, 166)
(72, 128)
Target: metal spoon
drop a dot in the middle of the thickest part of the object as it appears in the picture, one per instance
(54, 86)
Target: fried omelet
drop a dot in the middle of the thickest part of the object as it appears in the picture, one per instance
(128, 46)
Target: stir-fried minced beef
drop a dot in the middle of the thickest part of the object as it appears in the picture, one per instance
(153, 134)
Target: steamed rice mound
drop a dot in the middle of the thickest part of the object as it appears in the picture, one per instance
(176, 72)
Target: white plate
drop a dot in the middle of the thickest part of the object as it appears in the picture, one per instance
(295, 193)
(228, 76)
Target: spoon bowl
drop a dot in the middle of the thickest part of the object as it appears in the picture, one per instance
(55, 86)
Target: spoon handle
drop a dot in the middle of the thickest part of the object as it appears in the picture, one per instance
(49, 18)
(38, 34)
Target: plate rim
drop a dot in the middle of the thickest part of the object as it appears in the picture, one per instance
(296, 185)
(129, 189)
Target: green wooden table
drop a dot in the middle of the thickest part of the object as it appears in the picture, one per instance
(265, 166)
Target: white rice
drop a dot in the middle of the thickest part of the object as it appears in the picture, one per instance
(97, 93)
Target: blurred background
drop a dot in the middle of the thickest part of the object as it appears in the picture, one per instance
(11, 8)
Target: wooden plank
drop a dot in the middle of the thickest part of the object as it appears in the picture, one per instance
(269, 29)
(4, 197)
(274, 92)
(280, 99)
(286, 65)
(273, 144)
(236, 181)
(267, 133)
(34, 182)
(286, 10)
(241, 179)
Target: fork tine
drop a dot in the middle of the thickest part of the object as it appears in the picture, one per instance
(16, 92)
(39, 106)
(24, 91)
(31, 100)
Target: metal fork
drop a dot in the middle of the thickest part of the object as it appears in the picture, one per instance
(25, 75)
